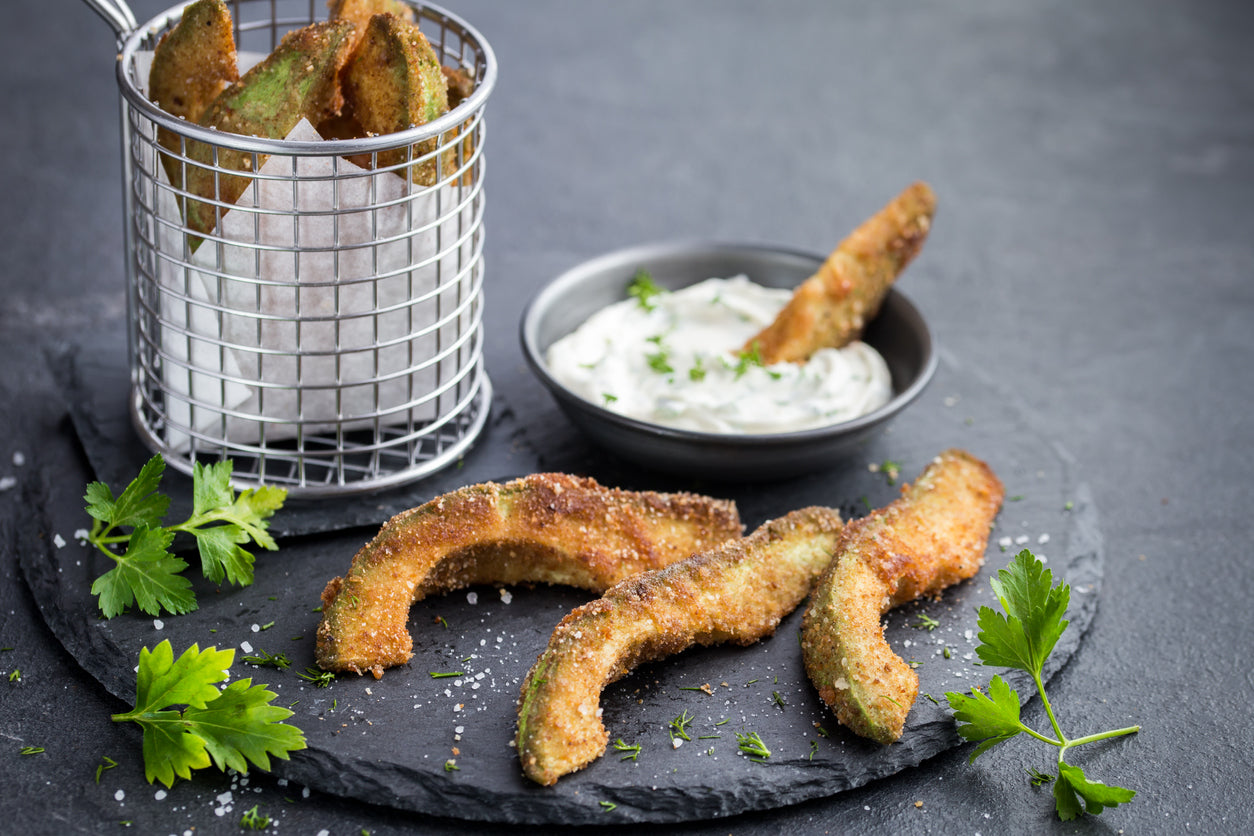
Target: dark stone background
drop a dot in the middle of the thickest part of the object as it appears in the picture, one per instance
(1092, 264)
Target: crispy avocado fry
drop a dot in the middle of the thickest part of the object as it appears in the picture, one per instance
(394, 82)
(737, 592)
(830, 309)
(344, 125)
(930, 538)
(359, 12)
(460, 84)
(550, 528)
(192, 64)
(297, 80)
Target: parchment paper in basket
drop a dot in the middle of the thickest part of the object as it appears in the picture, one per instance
(338, 321)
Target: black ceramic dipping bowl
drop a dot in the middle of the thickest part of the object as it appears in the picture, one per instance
(898, 332)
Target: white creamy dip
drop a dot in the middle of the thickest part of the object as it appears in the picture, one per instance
(676, 362)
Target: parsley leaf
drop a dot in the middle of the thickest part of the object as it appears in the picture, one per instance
(1072, 786)
(1035, 609)
(138, 505)
(925, 622)
(229, 728)
(643, 289)
(242, 727)
(1022, 639)
(746, 359)
(660, 362)
(147, 575)
(254, 819)
(989, 719)
(243, 517)
(751, 744)
(679, 726)
(632, 751)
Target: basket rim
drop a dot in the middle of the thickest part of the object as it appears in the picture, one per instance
(471, 105)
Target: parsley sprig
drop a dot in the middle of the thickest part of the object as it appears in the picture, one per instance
(1022, 639)
(228, 728)
(146, 573)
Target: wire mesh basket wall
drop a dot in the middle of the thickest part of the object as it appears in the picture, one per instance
(324, 330)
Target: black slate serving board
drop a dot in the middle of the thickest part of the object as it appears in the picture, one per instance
(387, 741)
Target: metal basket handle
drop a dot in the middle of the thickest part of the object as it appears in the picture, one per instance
(117, 14)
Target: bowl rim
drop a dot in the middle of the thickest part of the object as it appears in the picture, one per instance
(559, 285)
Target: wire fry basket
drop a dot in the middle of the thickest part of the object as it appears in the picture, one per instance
(326, 334)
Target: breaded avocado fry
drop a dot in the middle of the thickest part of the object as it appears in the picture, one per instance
(359, 12)
(550, 528)
(297, 80)
(394, 82)
(830, 309)
(735, 593)
(191, 65)
(930, 538)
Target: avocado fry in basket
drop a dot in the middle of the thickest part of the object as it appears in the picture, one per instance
(394, 82)
(192, 63)
(297, 80)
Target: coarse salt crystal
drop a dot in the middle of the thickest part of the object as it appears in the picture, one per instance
(1005, 541)
(159, 795)
(7, 482)
(506, 596)
(58, 541)
(472, 597)
(158, 624)
(246, 647)
(256, 628)
(119, 795)
(1021, 539)
(677, 742)
(19, 458)
(1044, 538)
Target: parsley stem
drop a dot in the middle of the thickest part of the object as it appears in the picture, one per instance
(1034, 733)
(1090, 738)
(1049, 709)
